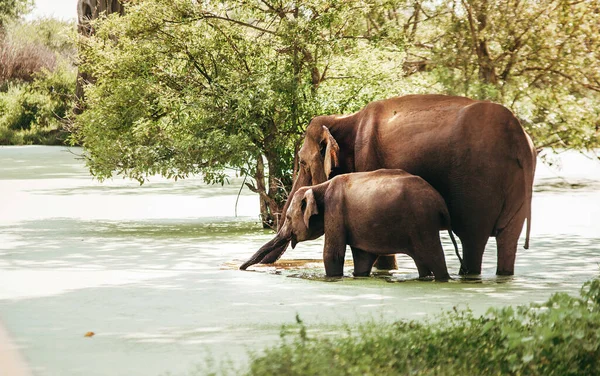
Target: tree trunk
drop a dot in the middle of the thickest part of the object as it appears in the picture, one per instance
(477, 18)
(91, 9)
(265, 216)
(270, 207)
(88, 10)
(487, 71)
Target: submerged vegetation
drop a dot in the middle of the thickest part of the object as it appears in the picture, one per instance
(558, 337)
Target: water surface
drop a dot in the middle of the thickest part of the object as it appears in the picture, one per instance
(152, 270)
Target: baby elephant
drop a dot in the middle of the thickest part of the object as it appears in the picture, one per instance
(380, 212)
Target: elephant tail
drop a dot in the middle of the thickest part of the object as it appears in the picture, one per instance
(463, 268)
(447, 224)
(528, 231)
(529, 188)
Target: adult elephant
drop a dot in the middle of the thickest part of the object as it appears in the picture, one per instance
(475, 153)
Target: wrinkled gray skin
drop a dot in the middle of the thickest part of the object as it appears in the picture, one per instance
(474, 153)
(377, 213)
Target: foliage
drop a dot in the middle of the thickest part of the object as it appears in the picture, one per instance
(558, 337)
(12, 9)
(34, 113)
(37, 81)
(540, 59)
(19, 62)
(183, 88)
(30, 47)
(57, 35)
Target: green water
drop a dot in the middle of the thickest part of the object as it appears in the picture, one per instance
(152, 270)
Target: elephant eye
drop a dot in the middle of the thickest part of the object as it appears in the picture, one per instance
(323, 148)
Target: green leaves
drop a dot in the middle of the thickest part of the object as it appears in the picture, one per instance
(12, 9)
(538, 59)
(35, 113)
(183, 88)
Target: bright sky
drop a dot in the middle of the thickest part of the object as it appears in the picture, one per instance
(63, 9)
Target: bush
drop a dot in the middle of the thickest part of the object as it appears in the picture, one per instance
(34, 113)
(22, 61)
(30, 47)
(37, 81)
(57, 35)
(558, 337)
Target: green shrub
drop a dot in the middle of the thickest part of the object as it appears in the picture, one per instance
(56, 35)
(558, 337)
(30, 47)
(37, 81)
(34, 113)
(19, 62)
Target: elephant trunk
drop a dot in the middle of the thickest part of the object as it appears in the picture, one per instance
(268, 253)
(272, 250)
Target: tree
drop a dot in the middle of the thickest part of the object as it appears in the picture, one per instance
(185, 87)
(88, 10)
(12, 9)
(541, 59)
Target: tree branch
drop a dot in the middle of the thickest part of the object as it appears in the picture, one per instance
(233, 46)
(562, 74)
(207, 15)
(262, 194)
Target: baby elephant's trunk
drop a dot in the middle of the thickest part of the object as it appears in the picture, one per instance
(268, 253)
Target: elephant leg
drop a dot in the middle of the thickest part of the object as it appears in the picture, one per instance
(423, 269)
(473, 247)
(438, 265)
(363, 262)
(387, 262)
(507, 240)
(430, 255)
(333, 254)
(474, 211)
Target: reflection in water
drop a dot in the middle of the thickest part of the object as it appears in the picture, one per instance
(153, 270)
(559, 185)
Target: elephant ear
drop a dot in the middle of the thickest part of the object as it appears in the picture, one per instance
(332, 152)
(311, 206)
